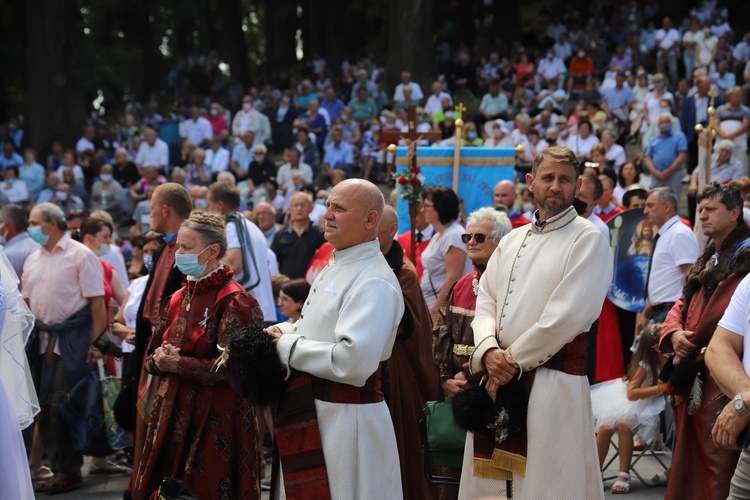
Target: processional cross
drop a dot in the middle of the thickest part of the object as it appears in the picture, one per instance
(411, 138)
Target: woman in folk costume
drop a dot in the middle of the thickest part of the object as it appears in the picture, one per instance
(630, 404)
(200, 430)
(454, 338)
(18, 400)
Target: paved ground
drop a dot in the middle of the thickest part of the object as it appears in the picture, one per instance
(111, 487)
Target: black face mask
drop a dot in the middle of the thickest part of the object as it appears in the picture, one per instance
(580, 206)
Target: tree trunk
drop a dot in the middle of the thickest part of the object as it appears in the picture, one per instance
(139, 31)
(410, 41)
(228, 15)
(281, 22)
(55, 101)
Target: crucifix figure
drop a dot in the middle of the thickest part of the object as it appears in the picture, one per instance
(412, 137)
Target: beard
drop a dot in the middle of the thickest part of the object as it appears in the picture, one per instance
(555, 205)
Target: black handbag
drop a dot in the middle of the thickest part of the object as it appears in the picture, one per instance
(175, 489)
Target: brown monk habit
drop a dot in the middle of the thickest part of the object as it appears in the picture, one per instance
(410, 377)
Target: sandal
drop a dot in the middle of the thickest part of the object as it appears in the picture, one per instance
(59, 484)
(660, 479)
(43, 473)
(108, 468)
(624, 484)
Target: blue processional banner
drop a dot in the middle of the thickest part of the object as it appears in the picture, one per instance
(480, 169)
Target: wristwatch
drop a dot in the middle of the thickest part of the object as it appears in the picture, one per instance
(739, 405)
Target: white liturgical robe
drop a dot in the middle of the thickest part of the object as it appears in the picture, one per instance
(542, 288)
(347, 327)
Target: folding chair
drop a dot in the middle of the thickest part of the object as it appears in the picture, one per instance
(649, 450)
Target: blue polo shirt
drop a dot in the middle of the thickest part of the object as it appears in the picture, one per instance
(663, 150)
(339, 157)
(618, 98)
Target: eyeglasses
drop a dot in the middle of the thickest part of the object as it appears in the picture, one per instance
(478, 237)
(284, 299)
(427, 205)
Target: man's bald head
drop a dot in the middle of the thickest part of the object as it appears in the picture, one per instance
(354, 210)
(388, 228)
(505, 193)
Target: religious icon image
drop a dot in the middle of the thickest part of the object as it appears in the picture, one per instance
(632, 241)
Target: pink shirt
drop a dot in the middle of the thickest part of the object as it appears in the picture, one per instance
(57, 284)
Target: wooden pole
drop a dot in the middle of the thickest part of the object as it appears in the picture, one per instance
(457, 147)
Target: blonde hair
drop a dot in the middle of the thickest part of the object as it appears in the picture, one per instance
(210, 229)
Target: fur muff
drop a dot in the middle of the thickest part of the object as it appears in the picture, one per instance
(474, 411)
(254, 368)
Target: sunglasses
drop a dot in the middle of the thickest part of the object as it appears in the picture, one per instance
(478, 237)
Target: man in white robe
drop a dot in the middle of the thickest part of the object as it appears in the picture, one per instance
(347, 327)
(543, 288)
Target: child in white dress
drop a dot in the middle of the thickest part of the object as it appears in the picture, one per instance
(631, 404)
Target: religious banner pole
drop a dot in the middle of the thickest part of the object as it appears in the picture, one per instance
(705, 179)
(459, 123)
(409, 182)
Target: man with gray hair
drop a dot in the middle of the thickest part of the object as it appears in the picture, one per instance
(674, 252)
(666, 155)
(333, 430)
(66, 329)
(724, 168)
(733, 122)
(17, 244)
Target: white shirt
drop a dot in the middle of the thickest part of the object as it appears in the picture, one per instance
(218, 161)
(736, 318)
(416, 92)
(115, 259)
(153, 156)
(130, 309)
(284, 174)
(617, 154)
(83, 144)
(676, 246)
(433, 261)
(196, 131)
(263, 292)
(16, 190)
(551, 68)
(580, 146)
(433, 104)
(77, 173)
(595, 220)
(664, 39)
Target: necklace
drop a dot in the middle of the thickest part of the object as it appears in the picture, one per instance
(190, 300)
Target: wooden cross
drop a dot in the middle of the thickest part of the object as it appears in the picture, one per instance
(412, 137)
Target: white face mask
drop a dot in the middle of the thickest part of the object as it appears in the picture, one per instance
(103, 250)
(106, 177)
(61, 195)
(528, 206)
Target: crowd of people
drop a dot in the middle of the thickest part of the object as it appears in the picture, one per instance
(233, 212)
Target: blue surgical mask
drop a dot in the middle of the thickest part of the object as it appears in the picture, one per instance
(188, 264)
(201, 204)
(103, 250)
(37, 235)
(472, 135)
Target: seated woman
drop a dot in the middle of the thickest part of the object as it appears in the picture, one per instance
(200, 430)
(631, 404)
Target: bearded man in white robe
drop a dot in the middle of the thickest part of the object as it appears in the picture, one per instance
(345, 446)
(542, 290)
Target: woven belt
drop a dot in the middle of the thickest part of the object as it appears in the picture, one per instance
(463, 349)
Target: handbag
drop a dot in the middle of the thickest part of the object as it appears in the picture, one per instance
(444, 440)
(110, 387)
(82, 417)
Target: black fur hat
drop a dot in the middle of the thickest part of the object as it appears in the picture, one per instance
(254, 368)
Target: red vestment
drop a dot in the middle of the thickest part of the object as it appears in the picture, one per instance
(200, 430)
